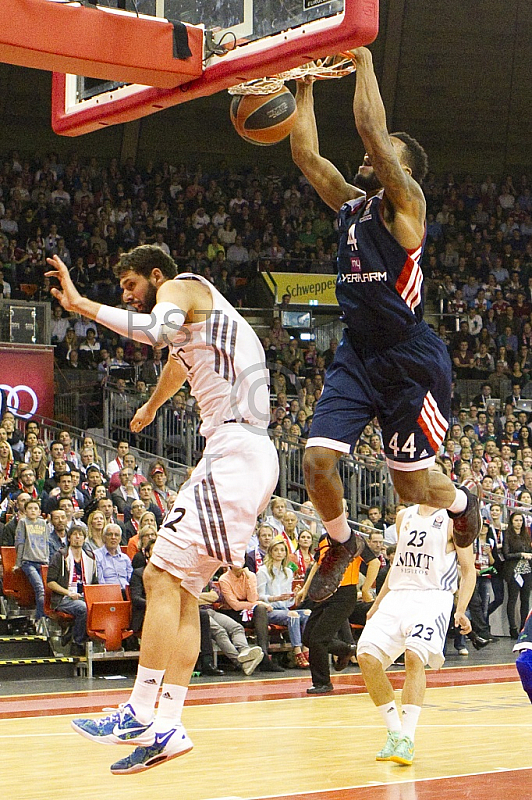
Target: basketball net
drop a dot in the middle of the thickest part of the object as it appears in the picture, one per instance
(322, 69)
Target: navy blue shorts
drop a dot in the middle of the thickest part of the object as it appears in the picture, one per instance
(406, 386)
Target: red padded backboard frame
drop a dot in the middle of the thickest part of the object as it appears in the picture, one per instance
(357, 26)
(73, 38)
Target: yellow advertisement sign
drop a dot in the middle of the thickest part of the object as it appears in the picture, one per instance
(316, 290)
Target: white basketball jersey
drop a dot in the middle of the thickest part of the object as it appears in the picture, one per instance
(421, 561)
(226, 366)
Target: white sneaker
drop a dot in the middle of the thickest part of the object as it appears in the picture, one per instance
(250, 658)
(166, 746)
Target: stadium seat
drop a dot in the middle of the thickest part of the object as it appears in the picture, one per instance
(16, 585)
(108, 615)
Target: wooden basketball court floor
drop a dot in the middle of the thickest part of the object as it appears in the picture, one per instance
(268, 739)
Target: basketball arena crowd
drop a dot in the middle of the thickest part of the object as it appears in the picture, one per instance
(229, 225)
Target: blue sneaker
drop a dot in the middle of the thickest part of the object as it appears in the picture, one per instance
(120, 727)
(166, 746)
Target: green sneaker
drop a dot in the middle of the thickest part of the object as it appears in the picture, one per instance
(404, 751)
(388, 750)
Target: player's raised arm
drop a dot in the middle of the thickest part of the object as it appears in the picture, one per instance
(321, 174)
(172, 378)
(401, 190)
(161, 326)
(468, 579)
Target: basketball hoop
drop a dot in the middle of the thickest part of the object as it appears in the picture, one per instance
(322, 69)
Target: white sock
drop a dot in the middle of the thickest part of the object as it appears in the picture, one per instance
(390, 715)
(410, 717)
(338, 529)
(144, 694)
(459, 503)
(170, 707)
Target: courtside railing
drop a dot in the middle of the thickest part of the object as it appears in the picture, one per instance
(175, 436)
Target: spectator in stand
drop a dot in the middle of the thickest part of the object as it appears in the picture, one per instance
(60, 325)
(89, 350)
(14, 437)
(146, 495)
(278, 336)
(68, 447)
(57, 454)
(517, 551)
(126, 492)
(94, 478)
(113, 565)
(240, 601)
(290, 532)
(57, 530)
(229, 635)
(122, 447)
(105, 505)
(375, 516)
(274, 585)
(158, 478)
(7, 534)
(147, 535)
(303, 555)
(130, 462)
(278, 511)
(132, 525)
(31, 543)
(152, 368)
(26, 482)
(71, 568)
(147, 520)
(65, 489)
(74, 516)
(7, 465)
(255, 557)
(95, 526)
(88, 442)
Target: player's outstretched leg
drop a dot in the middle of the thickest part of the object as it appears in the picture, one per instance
(325, 490)
(170, 737)
(433, 488)
(467, 523)
(335, 562)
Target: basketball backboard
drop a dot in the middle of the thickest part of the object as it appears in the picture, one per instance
(243, 39)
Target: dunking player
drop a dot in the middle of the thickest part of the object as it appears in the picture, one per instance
(390, 364)
(411, 616)
(217, 352)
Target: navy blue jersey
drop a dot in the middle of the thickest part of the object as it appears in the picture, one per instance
(380, 284)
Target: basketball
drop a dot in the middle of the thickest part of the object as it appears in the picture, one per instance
(264, 119)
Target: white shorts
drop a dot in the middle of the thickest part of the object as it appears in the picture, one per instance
(409, 619)
(215, 512)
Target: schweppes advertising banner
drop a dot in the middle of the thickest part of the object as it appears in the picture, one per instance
(312, 289)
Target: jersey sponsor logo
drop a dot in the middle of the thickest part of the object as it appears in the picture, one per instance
(363, 277)
(438, 522)
(414, 561)
(355, 264)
